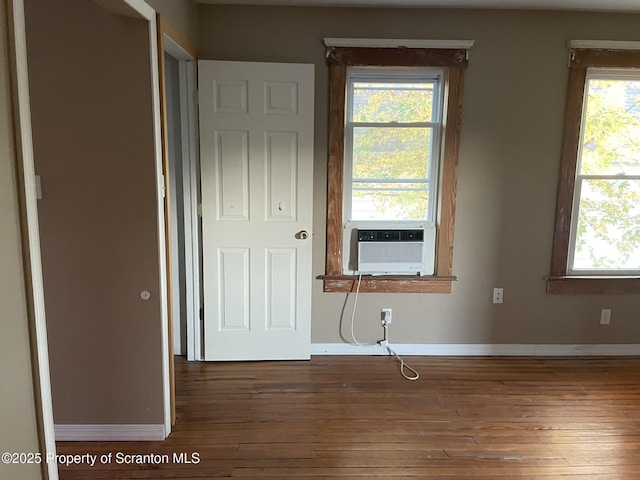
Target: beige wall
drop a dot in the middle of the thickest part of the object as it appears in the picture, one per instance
(93, 147)
(17, 405)
(509, 160)
(182, 15)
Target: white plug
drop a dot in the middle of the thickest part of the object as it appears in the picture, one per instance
(385, 319)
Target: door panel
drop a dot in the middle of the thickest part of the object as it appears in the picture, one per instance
(232, 158)
(233, 291)
(281, 289)
(282, 175)
(256, 131)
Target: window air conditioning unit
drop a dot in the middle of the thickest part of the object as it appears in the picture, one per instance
(391, 251)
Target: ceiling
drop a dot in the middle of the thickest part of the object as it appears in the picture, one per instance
(589, 5)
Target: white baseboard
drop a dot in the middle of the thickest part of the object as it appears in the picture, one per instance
(106, 433)
(463, 349)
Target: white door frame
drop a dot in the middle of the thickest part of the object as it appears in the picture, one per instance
(144, 10)
(133, 8)
(25, 152)
(191, 190)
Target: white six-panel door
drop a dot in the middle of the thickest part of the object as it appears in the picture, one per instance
(256, 134)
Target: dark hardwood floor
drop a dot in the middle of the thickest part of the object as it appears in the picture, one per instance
(356, 417)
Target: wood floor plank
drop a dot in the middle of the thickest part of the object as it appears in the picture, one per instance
(356, 417)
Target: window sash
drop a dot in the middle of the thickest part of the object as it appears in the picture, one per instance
(599, 74)
(573, 252)
(351, 182)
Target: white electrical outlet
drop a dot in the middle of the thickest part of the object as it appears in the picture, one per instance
(498, 294)
(386, 315)
(605, 316)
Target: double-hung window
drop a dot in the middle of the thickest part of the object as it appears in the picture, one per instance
(393, 132)
(606, 225)
(596, 247)
(395, 111)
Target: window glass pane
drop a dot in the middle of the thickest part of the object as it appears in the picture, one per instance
(391, 173)
(392, 102)
(611, 133)
(608, 229)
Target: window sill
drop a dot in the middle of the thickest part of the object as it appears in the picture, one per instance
(387, 283)
(593, 285)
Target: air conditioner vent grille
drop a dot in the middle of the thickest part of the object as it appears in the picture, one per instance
(405, 252)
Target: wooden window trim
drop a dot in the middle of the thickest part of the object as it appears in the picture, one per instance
(559, 281)
(454, 62)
